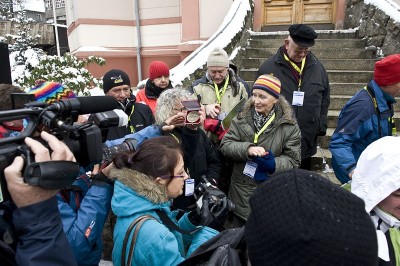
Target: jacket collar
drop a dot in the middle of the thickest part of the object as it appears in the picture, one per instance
(141, 184)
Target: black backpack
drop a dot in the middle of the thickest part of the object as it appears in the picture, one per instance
(226, 248)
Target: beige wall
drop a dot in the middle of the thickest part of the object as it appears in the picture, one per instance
(212, 13)
(108, 29)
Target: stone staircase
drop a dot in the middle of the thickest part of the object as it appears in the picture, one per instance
(348, 63)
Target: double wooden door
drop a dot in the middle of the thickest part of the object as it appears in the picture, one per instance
(286, 12)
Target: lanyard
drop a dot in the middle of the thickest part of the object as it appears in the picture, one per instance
(256, 135)
(223, 90)
(132, 129)
(299, 70)
(175, 137)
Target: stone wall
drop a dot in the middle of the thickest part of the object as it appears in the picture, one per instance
(377, 28)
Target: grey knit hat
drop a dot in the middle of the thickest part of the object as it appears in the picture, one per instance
(218, 57)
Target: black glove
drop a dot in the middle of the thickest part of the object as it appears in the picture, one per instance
(321, 133)
(100, 180)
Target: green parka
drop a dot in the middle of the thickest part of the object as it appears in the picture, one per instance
(282, 137)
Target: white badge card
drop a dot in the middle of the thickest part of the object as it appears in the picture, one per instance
(189, 187)
(250, 169)
(298, 98)
(221, 116)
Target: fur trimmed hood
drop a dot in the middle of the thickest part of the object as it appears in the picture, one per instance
(141, 184)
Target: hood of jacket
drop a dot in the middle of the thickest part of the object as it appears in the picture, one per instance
(377, 173)
(132, 188)
(283, 110)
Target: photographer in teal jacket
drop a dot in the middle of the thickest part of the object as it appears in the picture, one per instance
(145, 182)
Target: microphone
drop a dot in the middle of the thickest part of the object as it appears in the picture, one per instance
(84, 105)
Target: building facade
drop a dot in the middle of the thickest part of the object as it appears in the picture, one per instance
(130, 34)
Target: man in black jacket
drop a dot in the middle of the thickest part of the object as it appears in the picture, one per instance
(305, 85)
(116, 83)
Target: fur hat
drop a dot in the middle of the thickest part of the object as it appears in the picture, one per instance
(268, 83)
(114, 78)
(299, 218)
(49, 92)
(302, 35)
(218, 57)
(158, 69)
(387, 70)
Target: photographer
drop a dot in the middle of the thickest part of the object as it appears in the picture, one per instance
(37, 221)
(146, 181)
(83, 206)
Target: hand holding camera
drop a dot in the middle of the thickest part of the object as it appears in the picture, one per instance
(22, 193)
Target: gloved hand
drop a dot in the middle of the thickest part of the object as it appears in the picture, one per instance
(213, 125)
(265, 166)
(321, 133)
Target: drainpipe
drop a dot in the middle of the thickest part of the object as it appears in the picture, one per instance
(139, 41)
(56, 28)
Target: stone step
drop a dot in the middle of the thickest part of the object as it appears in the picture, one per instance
(319, 43)
(331, 64)
(326, 53)
(338, 76)
(324, 34)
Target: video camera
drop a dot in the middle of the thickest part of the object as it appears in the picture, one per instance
(84, 140)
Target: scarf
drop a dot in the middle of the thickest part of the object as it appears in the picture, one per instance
(260, 119)
(383, 220)
(152, 91)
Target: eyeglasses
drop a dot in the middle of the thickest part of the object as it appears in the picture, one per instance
(171, 176)
(180, 109)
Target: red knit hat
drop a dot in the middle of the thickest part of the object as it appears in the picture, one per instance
(158, 69)
(387, 70)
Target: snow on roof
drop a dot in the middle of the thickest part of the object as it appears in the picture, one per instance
(232, 24)
(390, 8)
(32, 5)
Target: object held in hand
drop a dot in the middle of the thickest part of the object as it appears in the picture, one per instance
(192, 114)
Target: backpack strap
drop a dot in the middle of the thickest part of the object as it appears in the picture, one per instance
(173, 226)
(371, 94)
(139, 222)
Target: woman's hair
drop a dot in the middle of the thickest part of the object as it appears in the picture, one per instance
(166, 102)
(155, 157)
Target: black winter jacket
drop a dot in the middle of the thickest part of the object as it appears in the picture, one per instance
(312, 116)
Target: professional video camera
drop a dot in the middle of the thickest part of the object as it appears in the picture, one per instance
(211, 202)
(84, 140)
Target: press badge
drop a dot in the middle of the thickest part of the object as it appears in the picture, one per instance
(189, 187)
(298, 98)
(221, 116)
(250, 169)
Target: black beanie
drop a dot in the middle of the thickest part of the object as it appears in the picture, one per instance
(299, 218)
(114, 78)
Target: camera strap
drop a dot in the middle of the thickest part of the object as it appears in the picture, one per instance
(173, 226)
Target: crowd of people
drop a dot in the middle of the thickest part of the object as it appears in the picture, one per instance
(235, 163)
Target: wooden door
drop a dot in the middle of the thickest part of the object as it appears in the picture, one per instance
(286, 12)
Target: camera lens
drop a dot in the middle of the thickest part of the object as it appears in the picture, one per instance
(110, 152)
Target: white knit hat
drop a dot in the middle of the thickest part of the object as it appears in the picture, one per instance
(377, 173)
(218, 57)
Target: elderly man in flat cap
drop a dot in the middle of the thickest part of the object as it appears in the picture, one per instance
(305, 85)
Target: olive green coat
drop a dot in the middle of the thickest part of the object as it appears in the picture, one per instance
(282, 137)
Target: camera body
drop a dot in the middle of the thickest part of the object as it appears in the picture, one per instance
(85, 142)
(216, 199)
(192, 113)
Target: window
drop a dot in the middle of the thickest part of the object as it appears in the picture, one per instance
(39, 17)
(49, 4)
(60, 3)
